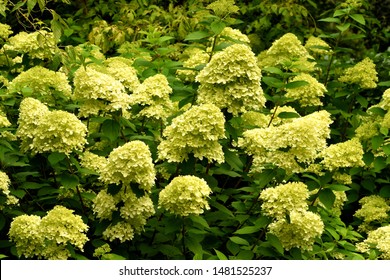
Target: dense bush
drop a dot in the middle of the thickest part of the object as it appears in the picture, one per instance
(194, 130)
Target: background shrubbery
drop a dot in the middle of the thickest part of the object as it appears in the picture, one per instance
(150, 129)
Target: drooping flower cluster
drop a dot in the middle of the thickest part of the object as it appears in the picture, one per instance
(153, 98)
(185, 195)
(362, 74)
(43, 84)
(345, 154)
(232, 80)
(39, 44)
(287, 52)
(196, 132)
(309, 94)
(130, 163)
(41, 130)
(5, 182)
(293, 224)
(48, 237)
(374, 209)
(288, 145)
(98, 92)
(378, 239)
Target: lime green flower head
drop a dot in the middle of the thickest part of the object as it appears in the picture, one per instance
(59, 131)
(290, 144)
(185, 195)
(105, 92)
(307, 95)
(345, 154)
(39, 44)
(234, 62)
(5, 31)
(230, 34)
(300, 231)
(153, 97)
(4, 122)
(362, 74)
(121, 230)
(48, 237)
(42, 84)
(317, 46)
(288, 52)
(223, 8)
(5, 182)
(130, 163)
(193, 57)
(283, 199)
(120, 68)
(378, 239)
(196, 131)
(374, 209)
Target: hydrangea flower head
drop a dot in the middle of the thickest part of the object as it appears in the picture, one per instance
(185, 195)
(193, 57)
(153, 97)
(378, 239)
(43, 84)
(223, 8)
(59, 131)
(120, 68)
(374, 208)
(5, 182)
(232, 80)
(345, 154)
(5, 31)
(318, 46)
(99, 91)
(283, 199)
(49, 236)
(307, 95)
(300, 231)
(289, 144)
(31, 44)
(362, 74)
(130, 163)
(196, 131)
(288, 52)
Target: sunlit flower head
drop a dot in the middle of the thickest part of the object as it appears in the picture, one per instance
(362, 74)
(185, 195)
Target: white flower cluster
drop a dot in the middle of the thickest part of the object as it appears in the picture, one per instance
(41, 130)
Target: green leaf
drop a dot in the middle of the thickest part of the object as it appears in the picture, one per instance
(222, 208)
(275, 242)
(233, 160)
(288, 115)
(3, 256)
(197, 35)
(217, 26)
(194, 245)
(30, 5)
(247, 230)
(222, 171)
(55, 158)
(69, 180)
(273, 70)
(199, 220)
(377, 141)
(358, 18)
(169, 250)
(344, 27)
(220, 255)
(385, 191)
(386, 149)
(338, 13)
(239, 240)
(362, 101)
(377, 111)
(296, 84)
(384, 84)
(273, 82)
(338, 187)
(327, 197)
(32, 185)
(330, 19)
(111, 129)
